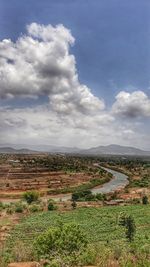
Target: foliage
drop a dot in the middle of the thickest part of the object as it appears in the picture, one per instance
(31, 196)
(51, 205)
(81, 194)
(145, 200)
(19, 207)
(66, 242)
(129, 223)
(86, 195)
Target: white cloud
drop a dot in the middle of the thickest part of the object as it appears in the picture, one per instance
(134, 104)
(39, 63)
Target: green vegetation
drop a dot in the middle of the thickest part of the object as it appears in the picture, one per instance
(100, 225)
(86, 195)
(129, 224)
(145, 200)
(143, 182)
(92, 236)
(64, 245)
(30, 196)
(19, 207)
(51, 205)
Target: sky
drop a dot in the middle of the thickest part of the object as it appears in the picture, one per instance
(75, 73)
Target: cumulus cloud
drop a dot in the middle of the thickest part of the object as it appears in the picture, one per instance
(39, 63)
(134, 104)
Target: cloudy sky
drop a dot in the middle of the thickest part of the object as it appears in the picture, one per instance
(75, 73)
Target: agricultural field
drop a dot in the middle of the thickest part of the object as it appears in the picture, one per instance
(101, 226)
(48, 174)
(47, 177)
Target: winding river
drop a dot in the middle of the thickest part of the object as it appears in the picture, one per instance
(119, 180)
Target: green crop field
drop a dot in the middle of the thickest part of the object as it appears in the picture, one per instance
(99, 224)
(106, 237)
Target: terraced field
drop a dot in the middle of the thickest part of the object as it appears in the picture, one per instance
(19, 173)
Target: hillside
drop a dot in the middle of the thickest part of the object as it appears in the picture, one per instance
(104, 234)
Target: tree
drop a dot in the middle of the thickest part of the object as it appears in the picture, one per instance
(129, 224)
(145, 200)
(31, 196)
(65, 243)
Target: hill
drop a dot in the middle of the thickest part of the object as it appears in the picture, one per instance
(99, 150)
(10, 150)
(115, 150)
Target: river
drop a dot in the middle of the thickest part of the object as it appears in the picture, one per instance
(119, 180)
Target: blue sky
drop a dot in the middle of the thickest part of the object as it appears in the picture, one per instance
(112, 37)
(111, 49)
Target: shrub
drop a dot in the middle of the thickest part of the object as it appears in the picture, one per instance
(19, 207)
(82, 194)
(129, 224)
(31, 196)
(65, 242)
(51, 205)
(145, 200)
(100, 196)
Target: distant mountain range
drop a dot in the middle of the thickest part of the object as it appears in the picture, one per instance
(115, 150)
(100, 150)
(10, 150)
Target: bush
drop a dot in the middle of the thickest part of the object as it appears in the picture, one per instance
(31, 196)
(145, 200)
(86, 195)
(129, 224)
(81, 195)
(65, 242)
(51, 205)
(19, 207)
